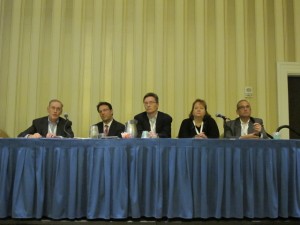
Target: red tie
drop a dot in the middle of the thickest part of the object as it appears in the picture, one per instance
(106, 130)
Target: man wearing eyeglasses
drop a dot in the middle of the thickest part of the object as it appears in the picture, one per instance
(158, 124)
(51, 126)
(245, 126)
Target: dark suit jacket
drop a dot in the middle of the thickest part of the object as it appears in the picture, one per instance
(40, 125)
(163, 124)
(210, 128)
(232, 128)
(115, 129)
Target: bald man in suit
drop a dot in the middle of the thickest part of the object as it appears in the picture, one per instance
(245, 126)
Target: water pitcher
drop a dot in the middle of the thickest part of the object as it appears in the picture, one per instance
(130, 128)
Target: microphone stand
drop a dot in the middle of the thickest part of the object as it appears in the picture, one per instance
(226, 127)
(290, 128)
(65, 130)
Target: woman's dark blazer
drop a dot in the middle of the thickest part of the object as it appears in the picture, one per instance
(210, 128)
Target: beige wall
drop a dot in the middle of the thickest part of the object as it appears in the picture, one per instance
(86, 51)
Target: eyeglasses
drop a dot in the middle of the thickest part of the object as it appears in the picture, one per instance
(149, 103)
(244, 107)
(103, 110)
(55, 108)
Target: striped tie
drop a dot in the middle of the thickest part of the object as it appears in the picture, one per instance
(106, 130)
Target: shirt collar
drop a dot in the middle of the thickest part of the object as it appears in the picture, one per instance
(242, 122)
(56, 122)
(153, 118)
(108, 124)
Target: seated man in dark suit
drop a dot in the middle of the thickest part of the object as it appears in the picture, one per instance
(157, 123)
(109, 126)
(50, 126)
(245, 126)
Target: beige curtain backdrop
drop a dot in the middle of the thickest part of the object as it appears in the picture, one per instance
(86, 51)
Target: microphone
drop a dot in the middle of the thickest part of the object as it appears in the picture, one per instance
(67, 120)
(225, 125)
(66, 116)
(222, 116)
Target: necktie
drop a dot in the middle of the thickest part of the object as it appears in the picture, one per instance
(106, 130)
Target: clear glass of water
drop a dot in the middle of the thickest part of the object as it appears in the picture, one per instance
(94, 132)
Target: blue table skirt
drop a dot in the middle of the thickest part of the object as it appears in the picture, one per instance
(157, 178)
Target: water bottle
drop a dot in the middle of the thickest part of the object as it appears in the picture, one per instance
(276, 135)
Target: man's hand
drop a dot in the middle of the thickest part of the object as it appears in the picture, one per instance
(257, 127)
(50, 135)
(35, 135)
(250, 136)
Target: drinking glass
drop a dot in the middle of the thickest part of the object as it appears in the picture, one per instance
(94, 132)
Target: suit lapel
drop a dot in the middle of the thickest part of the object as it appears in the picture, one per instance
(238, 128)
(60, 128)
(100, 128)
(158, 123)
(250, 127)
(147, 123)
(111, 128)
(44, 126)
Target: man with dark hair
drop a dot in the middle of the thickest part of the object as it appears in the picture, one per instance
(50, 126)
(109, 126)
(245, 126)
(157, 123)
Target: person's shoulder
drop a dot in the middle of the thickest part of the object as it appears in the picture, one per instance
(62, 119)
(44, 118)
(257, 120)
(99, 124)
(165, 115)
(118, 123)
(232, 122)
(140, 115)
(187, 120)
(209, 118)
